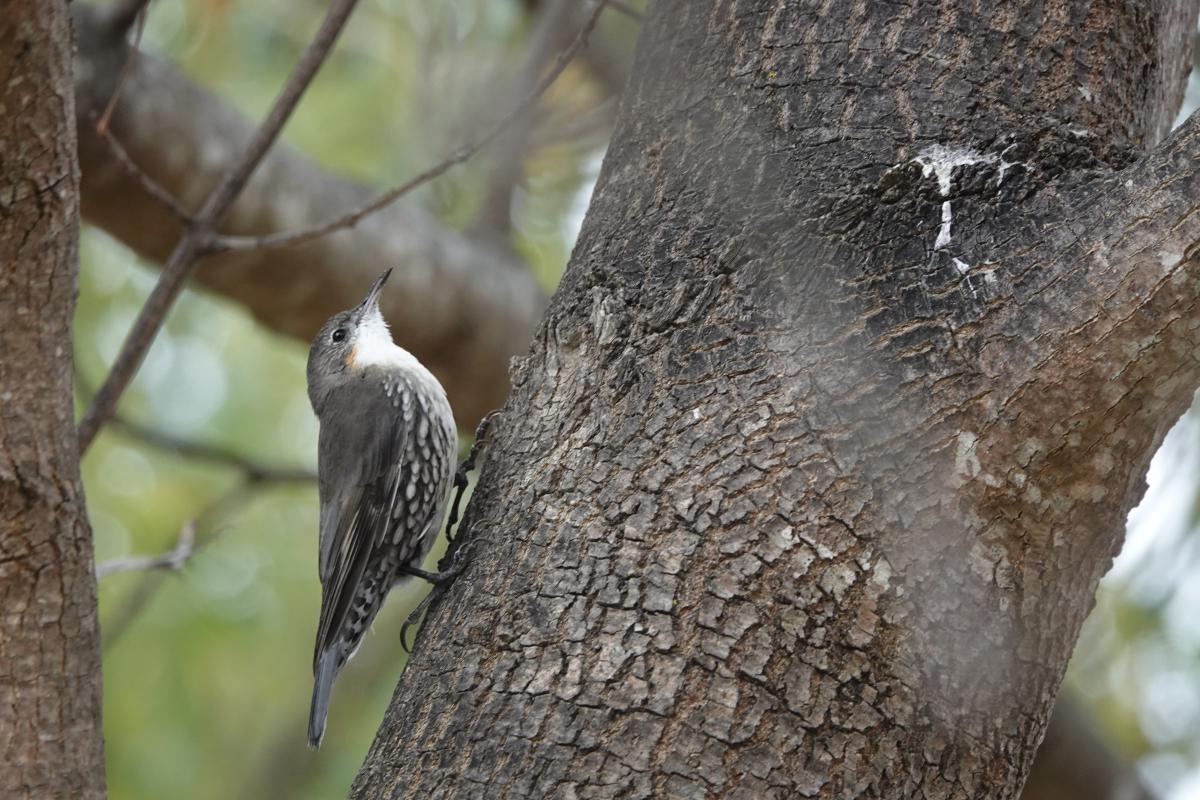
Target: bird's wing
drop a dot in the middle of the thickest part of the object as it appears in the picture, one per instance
(384, 475)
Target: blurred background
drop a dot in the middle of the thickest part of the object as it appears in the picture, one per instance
(208, 667)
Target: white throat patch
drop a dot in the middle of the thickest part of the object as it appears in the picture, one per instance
(374, 346)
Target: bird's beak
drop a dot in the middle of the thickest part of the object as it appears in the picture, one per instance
(371, 301)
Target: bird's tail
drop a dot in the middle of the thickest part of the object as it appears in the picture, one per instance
(324, 674)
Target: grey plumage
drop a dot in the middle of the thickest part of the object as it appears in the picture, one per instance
(385, 461)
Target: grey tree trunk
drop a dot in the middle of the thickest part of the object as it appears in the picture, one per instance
(804, 489)
(51, 743)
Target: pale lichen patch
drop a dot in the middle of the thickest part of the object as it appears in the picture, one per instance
(1103, 463)
(881, 575)
(1027, 450)
(837, 579)
(943, 237)
(966, 460)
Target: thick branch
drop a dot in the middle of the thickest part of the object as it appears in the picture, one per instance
(462, 306)
(1133, 237)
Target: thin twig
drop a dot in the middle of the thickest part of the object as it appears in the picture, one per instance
(196, 238)
(152, 187)
(118, 24)
(268, 131)
(126, 68)
(206, 531)
(173, 559)
(123, 15)
(460, 155)
(627, 10)
(253, 471)
(553, 21)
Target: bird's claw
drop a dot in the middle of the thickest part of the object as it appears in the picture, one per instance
(441, 582)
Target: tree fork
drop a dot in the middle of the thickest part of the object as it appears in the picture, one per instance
(830, 430)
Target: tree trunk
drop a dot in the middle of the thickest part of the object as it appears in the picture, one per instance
(51, 744)
(832, 426)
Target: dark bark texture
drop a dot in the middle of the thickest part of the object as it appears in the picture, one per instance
(805, 487)
(463, 305)
(51, 743)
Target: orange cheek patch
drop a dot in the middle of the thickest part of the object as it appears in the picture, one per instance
(350, 357)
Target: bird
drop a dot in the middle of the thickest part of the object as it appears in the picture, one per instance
(385, 462)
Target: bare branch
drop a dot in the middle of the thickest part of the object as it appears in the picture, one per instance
(554, 21)
(607, 57)
(253, 471)
(628, 10)
(124, 14)
(205, 531)
(148, 184)
(139, 13)
(460, 155)
(311, 59)
(196, 239)
(118, 22)
(173, 559)
(462, 304)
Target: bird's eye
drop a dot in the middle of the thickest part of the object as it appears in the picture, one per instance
(339, 335)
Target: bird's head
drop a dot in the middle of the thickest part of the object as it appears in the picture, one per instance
(347, 342)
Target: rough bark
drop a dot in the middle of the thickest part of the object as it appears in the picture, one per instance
(51, 744)
(802, 491)
(463, 305)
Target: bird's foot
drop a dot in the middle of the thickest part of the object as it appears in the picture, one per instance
(441, 582)
(438, 578)
(468, 464)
